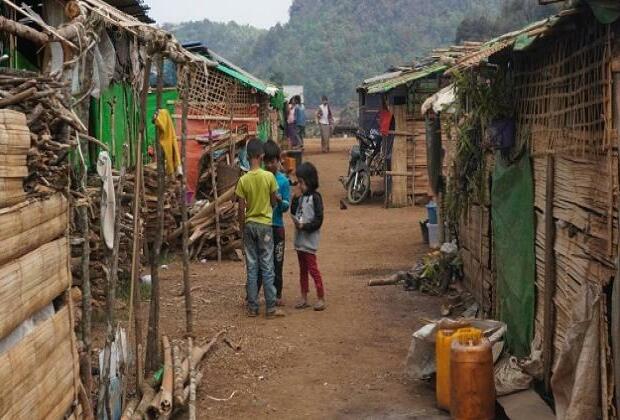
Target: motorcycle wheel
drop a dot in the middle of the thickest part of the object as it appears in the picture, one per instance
(359, 189)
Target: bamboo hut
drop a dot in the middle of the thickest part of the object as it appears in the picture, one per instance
(540, 237)
(406, 88)
(65, 63)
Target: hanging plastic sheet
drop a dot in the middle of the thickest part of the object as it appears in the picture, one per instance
(606, 11)
(104, 64)
(577, 375)
(512, 198)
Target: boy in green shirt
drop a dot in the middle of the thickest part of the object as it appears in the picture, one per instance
(257, 195)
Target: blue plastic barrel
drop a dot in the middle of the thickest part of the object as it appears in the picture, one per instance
(431, 209)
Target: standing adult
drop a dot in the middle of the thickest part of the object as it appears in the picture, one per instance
(300, 120)
(325, 119)
(291, 127)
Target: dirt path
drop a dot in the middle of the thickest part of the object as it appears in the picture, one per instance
(346, 362)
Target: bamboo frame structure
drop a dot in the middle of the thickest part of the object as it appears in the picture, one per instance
(153, 342)
(184, 216)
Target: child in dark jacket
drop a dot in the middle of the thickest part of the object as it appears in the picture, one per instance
(307, 213)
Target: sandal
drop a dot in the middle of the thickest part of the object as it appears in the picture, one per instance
(302, 305)
(275, 313)
(320, 305)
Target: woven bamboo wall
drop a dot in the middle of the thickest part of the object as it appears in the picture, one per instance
(14, 146)
(409, 156)
(422, 186)
(40, 372)
(475, 241)
(216, 94)
(563, 94)
(401, 194)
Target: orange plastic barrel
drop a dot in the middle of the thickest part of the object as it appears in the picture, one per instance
(443, 346)
(472, 383)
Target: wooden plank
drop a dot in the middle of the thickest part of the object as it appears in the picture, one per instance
(526, 405)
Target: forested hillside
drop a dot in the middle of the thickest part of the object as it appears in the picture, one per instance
(330, 46)
(229, 39)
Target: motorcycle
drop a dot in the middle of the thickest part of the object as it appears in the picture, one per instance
(365, 160)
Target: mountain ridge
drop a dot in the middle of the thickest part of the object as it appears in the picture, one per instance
(329, 46)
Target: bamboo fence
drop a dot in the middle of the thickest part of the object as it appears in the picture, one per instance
(39, 375)
(31, 282)
(27, 226)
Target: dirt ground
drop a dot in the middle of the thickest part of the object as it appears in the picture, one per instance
(344, 363)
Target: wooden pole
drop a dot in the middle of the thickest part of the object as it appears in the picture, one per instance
(117, 238)
(153, 343)
(189, 329)
(615, 293)
(217, 209)
(86, 293)
(192, 381)
(550, 274)
(134, 298)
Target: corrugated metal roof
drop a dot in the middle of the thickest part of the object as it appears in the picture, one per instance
(389, 81)
(135, 8)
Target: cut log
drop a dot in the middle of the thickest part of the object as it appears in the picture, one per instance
(130, 409)
(22, 31)
(165, 402)
(178, 379)
(147, 396)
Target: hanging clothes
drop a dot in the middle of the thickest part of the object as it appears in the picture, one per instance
(108, 199)
(168, 141)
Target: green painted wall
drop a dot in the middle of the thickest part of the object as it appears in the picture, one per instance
(114, 120)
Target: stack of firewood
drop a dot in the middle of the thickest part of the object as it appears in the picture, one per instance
(226, 177)
(42, 99)
(175, 390)
(171, 204)
(202, 228)
(98, 251)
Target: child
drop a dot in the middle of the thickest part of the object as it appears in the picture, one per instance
(273, 164)
(256, 192)
(307, 212)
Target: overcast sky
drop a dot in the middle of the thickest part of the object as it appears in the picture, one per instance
(259, 13)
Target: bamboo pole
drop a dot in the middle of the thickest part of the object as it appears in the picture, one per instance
(217, 209)
(178, 379)
(189, 328)
(165, 401)
(192, 382)
(550, 274)
(615, 293)
(117, 238)
(152, 346)
(134, 298)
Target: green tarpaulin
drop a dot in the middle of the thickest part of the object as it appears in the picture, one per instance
(606, 11)
(512, 200)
